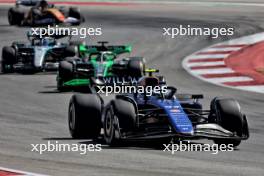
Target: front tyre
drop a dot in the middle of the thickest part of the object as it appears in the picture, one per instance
(65, 73)
(126, 114)
(119, 116)
(110, 126)
(8, 59)
(136, 67)
(75, 13)
(227, 113)
(84, 117)
(11, 19)
(15, 16)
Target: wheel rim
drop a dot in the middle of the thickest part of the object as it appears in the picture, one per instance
(72, 117)
(108, 123)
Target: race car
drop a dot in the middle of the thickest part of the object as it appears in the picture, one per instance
(96, 63)
(161, 117)
(41, 13)
(39, 54)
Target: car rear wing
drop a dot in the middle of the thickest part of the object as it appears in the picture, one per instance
(27, 2)
(117, 49)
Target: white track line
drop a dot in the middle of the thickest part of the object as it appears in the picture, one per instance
(193, 64)
(212, 71)
(221, 49)
(230, 79)
(208, 56)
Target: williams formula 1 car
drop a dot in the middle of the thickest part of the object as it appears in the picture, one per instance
(95, 63)
(160, 117)
(38, 54)
(40, 13)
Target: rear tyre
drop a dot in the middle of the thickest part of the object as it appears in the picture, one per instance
(75, 13)
(8, 59)
(227, 113)
(71, 51)
(15, 16)
(85, 116)
(136, 67)
(11, 19)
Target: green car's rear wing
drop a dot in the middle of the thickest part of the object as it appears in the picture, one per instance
(117, 49)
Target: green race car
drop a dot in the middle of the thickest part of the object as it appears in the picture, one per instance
(98, 64)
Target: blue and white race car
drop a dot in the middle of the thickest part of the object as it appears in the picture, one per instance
(39, 54)
(160, 117)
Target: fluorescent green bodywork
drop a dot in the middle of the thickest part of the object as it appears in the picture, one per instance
(86, 50)
(77, 82)
(105, 66)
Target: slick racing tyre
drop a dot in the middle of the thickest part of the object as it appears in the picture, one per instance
(15, 16)
(71, 50)
(136, 67)
(75, 13)
(110, 126)
(125, 112)
(227, 113)
(65, 73)
(84, 117)
(8, 59)
(118, 115)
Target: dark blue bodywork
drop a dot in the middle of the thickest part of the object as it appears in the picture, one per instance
(179, 120)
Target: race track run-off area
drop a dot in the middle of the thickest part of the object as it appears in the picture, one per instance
(33, 112)
(236, 63)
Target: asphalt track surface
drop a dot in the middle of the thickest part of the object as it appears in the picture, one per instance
(32, 112)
